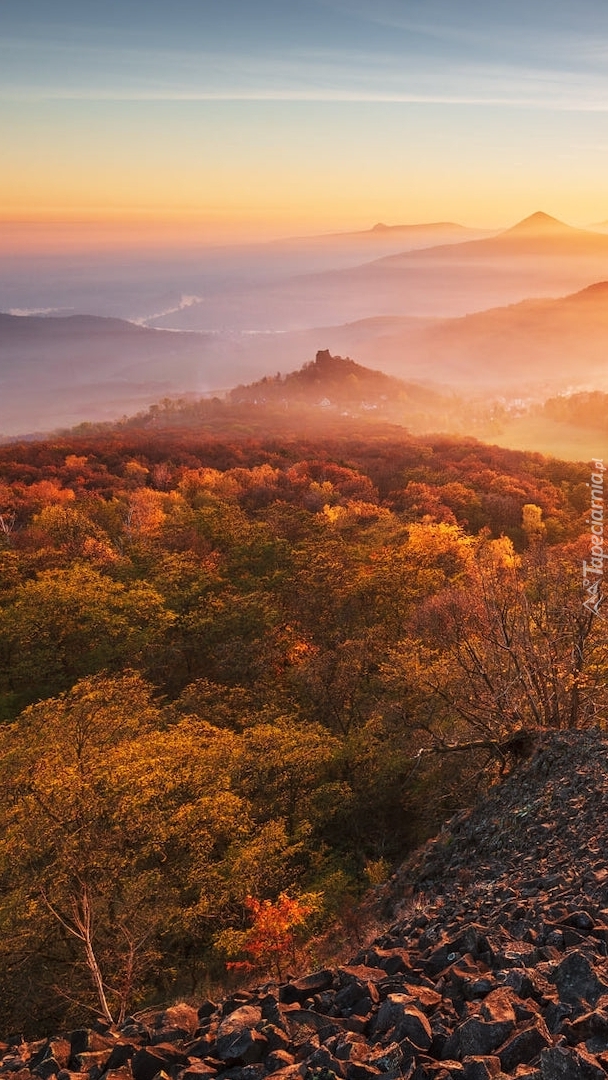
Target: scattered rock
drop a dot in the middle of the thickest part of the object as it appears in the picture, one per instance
(498, 968)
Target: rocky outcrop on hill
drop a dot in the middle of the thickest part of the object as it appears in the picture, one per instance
(495, 965)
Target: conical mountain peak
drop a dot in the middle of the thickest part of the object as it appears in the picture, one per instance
(539, 224)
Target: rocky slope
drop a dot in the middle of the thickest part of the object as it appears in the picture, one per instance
(495, 964)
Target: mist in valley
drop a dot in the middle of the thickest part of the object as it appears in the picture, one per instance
(499, 322)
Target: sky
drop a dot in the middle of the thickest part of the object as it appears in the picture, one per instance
(234, 118)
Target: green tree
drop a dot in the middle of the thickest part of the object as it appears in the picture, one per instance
(75, 887)
(69, 623)
(115, 824)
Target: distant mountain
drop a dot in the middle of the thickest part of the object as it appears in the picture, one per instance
(596, 294)
(540, 224)
(47, 327)
(434, 226)
(59, 370)
(538, 346)
(421, 234)
(539, 234)
(538, 256)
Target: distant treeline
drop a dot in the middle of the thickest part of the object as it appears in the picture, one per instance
(588, 409)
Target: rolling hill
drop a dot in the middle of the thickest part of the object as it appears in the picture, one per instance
(528, 346)
(539, 256)
(59, 370)
(56, 372)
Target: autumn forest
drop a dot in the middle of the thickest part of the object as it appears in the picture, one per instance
(243, 673)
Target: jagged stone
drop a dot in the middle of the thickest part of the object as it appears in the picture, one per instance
(271, 1009)
(255, 1071)
(478, 1038)
(90, 1058)
(237, 1000)
(198, 1070)
(359, 1070)
(556, 1015)
(564, 1063)
(278, 1059)
(497, 1007)
(390, 1012)
(149, 1061)
(446, 1070)
(289, 1072)
(244, 1018)
(237, 1039)
(322, 1060)
(206, 1009)
(360, 973)
(576, 980)
(319, 1074)
(349, 1046)
(592, 1028)
(50, 1057)
(135, 1029)
(276, 1038)
(47, 1068)
(179, 1017)
(525, 1046)
(388, 1059)
(356, 997)
(479, 988)
(85, 1039)
(415, 1028)
(312, 984)
(302, 1023)
(480, 1068)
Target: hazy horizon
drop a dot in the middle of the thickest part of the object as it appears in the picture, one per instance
(223, 170)
(262, 119)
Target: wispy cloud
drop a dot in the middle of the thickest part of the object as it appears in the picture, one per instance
(576, 98)
(518, 29)
(323, 74)
(23, 312)
(184, 302)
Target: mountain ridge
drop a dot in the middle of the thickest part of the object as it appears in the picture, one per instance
(540, 223)
(539, 234)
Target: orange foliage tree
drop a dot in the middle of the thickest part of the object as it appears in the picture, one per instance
(270, 941)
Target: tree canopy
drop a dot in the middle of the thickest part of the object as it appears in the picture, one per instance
(236, 672)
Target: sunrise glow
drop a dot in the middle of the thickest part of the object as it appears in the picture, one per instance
(257, 120)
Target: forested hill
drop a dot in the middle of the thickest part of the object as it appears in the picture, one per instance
(233, 669)
(328, 394)
(336, 381)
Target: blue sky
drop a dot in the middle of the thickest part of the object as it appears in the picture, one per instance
(532, 53)
(212, 88)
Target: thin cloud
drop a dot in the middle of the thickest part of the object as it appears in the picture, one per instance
(313, 75)
(596, 102)
(23, 312)
(184, 302)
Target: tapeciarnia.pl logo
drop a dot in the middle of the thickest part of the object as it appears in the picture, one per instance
(593, 571)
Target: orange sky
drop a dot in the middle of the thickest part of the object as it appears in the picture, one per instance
(222, 122)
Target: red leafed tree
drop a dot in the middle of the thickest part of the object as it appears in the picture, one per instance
(271, 939)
